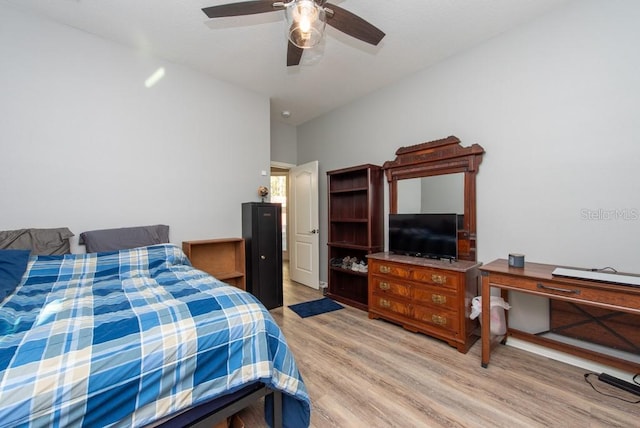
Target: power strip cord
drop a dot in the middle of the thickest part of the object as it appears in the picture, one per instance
(586, 378)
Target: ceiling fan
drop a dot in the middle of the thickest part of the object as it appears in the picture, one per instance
(306, 21)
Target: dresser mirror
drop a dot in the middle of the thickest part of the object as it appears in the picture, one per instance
(438, 177)
(430, 195)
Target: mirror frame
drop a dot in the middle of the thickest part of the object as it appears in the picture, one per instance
(439, 157)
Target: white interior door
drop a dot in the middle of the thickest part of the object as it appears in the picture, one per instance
(304, 254)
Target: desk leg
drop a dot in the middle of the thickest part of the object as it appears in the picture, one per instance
(505, 296)
(486, 319)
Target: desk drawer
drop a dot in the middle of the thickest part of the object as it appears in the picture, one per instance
(602, 295)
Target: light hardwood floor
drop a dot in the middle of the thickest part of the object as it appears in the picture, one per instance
(371, 373)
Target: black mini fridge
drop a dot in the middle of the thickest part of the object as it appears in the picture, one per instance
(262, 233)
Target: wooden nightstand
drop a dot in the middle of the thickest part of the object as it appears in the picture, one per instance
(221, 258)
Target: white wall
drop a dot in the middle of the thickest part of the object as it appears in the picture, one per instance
(555, 105)
(84, 144)
(284, 143)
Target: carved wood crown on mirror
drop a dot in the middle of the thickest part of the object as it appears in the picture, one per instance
(440, 157)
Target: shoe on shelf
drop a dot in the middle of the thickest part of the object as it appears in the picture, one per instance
(346, 263)
(360, 267)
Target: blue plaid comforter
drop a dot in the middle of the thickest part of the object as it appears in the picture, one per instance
(128, 337)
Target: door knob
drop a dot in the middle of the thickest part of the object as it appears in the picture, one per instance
(315, 231)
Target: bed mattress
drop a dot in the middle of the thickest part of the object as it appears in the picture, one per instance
(128, 337)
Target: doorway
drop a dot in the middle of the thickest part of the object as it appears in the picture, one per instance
(296, 188)
(279, 193)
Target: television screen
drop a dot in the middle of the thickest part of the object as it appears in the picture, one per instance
(424, 235)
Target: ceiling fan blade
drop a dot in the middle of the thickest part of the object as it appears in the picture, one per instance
(240, 8)
(294, 54)
(353, 25)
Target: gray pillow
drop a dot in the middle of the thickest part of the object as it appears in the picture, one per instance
(124, 238)
(39, 241)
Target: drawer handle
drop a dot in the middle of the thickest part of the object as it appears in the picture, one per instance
(385, 269)
(438, 279)
(384, 285)
(437, 319)
(438, 299)
(562, 290)
(385, 303)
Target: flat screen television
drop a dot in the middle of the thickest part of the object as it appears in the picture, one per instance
(424, 235)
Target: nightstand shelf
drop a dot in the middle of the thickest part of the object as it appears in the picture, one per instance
(221, 258)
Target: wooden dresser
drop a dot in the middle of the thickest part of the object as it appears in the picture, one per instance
(427, 296)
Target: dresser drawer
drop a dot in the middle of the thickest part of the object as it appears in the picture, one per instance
(390, 269)
(437, 297)
(436, 277)
(387, 304)
(438, 317)
(387, 286)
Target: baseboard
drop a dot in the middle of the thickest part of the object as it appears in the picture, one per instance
(588, 365)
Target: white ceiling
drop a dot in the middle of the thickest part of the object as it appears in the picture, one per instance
(250, 51)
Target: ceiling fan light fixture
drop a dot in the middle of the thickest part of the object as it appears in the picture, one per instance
(305, 23)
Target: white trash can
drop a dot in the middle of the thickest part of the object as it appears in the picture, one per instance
(497, 306)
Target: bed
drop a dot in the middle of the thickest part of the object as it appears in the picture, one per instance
(135, 338)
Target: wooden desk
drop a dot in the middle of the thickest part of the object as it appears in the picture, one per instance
(536, 279)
